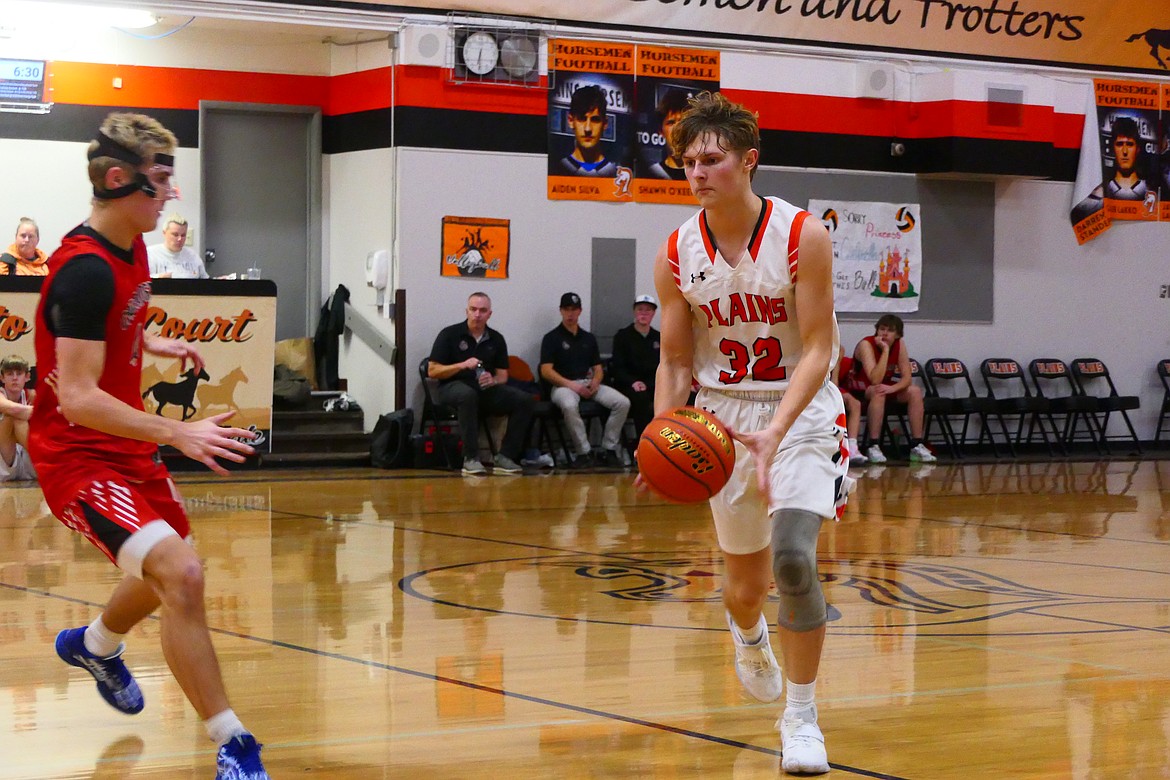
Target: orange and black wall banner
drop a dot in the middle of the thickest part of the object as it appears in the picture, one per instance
(666, 79)
(475, 247)
(590, 120)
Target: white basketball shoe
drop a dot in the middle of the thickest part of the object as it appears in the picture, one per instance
(756, 665)
(802, 745)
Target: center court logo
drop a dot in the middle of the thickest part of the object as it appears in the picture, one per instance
(866, 596)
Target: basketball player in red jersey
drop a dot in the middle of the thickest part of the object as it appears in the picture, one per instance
(747, 309)
(96, 449)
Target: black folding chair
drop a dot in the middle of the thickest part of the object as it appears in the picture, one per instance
(1008, 388)
(936, 409)
(951, 380)
(438, 418)
(1054, 381)
(1093, 380)
(1164, 415)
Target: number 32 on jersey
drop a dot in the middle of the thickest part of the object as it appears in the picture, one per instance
(763, 357)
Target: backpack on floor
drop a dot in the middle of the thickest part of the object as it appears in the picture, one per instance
(390, 442)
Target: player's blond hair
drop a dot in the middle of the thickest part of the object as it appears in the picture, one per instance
(735, 128)
(137, 133)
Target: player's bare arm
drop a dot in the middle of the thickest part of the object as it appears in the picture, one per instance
(904, 377)
(873, 364)
(15, 409)
(814, 306)
(672, 384)
(174, 348)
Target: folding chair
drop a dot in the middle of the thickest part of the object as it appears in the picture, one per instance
(1164, 415)
(545, 413)
(1054, 381)
(1008, 388)
(1093, 380)
(437, 416)
(935, 409)
(949, 378)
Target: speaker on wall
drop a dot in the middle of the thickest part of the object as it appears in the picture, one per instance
(421, 44)
(875, 80)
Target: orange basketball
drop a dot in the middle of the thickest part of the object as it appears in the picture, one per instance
(686, 455)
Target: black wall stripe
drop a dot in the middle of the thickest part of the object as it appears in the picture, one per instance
(437, 128)
(67, 122)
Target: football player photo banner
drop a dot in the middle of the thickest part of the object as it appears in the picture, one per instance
(475, 247)
(666, 79)
(877, 254)
(590, 120)
(1121, 170)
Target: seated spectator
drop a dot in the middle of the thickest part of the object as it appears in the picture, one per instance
(23, 258)
(636, 350)
(571, 363)
(843, 378)
(16, 404)
(881, 370)
(470, 360)
(173, 259)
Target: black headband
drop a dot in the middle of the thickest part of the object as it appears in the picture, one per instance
(108, 147)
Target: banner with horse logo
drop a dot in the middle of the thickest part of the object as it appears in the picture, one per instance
(232, 324)
(877, 254)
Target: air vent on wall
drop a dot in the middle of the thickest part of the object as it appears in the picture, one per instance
(1005, 106)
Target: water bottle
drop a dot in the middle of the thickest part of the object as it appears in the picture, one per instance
(479, 372)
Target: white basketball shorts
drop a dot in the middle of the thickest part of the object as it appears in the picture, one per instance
(809, 470)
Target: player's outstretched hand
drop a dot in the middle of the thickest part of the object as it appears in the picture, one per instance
(762, 445)
(205, 440)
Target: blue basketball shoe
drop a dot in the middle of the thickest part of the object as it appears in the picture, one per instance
(114, 681)
(239, 759)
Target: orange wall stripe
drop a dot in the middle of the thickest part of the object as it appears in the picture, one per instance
(421, 86)
(92, 84)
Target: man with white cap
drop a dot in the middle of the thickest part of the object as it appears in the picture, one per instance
(636, 349)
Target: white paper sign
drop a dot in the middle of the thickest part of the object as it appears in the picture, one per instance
(877, 254)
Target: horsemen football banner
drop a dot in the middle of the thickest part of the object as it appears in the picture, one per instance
(590, 120)
(1124, 170)
(877, 254)
(1125, 35)
(666, 79)
(231, 323)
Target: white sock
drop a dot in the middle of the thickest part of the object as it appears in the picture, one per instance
(222, 727)
(751, 635)
(800, 696)
(100, 640)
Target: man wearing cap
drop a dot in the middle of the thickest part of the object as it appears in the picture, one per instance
(635, 361)
(571, 363)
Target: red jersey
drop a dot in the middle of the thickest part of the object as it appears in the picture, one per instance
(861, 381)
(64, 453)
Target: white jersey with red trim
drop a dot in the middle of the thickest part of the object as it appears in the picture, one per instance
(746, 333)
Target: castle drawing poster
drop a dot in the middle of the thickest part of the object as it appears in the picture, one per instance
(877, 254)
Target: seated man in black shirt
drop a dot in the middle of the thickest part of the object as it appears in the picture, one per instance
(470, 360)
(636, 348)
(571, 363)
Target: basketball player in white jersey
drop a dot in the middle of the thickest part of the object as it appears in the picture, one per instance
(747, 309)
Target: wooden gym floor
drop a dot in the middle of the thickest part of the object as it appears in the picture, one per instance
(988, 620)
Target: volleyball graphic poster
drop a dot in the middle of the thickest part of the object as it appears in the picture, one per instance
(877, 254)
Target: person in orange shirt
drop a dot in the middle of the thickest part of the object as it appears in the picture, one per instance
(23, 258)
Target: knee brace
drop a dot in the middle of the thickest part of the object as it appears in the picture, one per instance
(794, 565)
